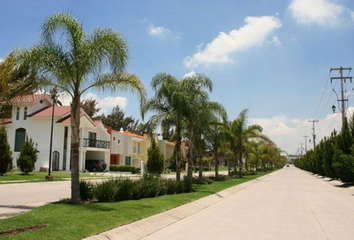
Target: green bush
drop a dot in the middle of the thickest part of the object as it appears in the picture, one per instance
(123, 168)
(179, 187)
(345, 168)
(28, 156)
(105, 191)
(125, 189)
(155, 159)
(187, 185)
(86, 188)
(170, 186)
(5, 152)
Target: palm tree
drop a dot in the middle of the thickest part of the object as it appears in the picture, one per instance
(216, 136)
(74, 62)
(168, 107)
(239, 134)
(194, 98)
(208, 129)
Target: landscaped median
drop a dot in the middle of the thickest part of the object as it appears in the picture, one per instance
(67, 221)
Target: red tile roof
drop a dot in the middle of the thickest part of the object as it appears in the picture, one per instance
(5, 120)
(130, 134)
(59, 111)
(29, 98)
(96, 122)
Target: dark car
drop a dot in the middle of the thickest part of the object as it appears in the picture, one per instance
(95, 165)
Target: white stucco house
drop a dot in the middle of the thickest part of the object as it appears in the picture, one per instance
(32, 115)
(128, 148)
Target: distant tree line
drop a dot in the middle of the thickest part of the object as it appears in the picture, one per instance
(333, 156)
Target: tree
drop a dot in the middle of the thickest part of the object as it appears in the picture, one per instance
(14, 81)
(5, 152)
(155, 159)
(28, 156)
(90, 107)
(74, 62)
(168, 106)
(239, 134)
(210, 131)
(195, 99)
(118, 120)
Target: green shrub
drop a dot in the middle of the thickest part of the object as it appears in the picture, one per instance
(345, 168)
(125, 189)
(105, 191)
(28, 156)
(170, 186)
(148, 186)
(123, 168)
(5, 152)
(155, 159)
(179, 187)
(187, 185)
(86, 190)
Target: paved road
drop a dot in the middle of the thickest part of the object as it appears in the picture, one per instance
(289, 204)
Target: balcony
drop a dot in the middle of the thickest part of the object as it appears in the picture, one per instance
(96, 143)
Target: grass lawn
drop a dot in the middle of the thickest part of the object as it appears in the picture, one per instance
(38, 176)
(67, 221)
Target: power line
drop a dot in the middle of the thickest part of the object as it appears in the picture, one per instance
(322, 95)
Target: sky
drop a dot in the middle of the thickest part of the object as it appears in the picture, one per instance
(272, 57)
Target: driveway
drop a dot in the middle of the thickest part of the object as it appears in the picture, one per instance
(288, 204)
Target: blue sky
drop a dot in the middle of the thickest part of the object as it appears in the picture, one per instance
(270, 56)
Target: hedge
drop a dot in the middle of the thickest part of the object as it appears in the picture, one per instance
(123, 168)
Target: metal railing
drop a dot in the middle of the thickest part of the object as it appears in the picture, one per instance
(95, 143)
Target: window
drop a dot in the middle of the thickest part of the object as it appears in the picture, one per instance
(92, 139)
(138, 147)
(19, 138)
(25, 114)
(118, 141)
(18, 113)
(134, 148)
(114, 139)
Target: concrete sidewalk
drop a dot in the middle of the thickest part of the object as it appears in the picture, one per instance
(288, 204)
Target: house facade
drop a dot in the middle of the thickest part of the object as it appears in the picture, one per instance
(128, 148)
(32, 117)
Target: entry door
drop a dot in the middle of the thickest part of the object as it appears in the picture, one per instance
(55, 164)
(128, 161)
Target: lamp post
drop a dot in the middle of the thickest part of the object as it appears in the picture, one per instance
(53, 96)
(334, 109)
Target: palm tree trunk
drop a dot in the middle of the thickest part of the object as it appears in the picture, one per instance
(240, 162)
(190, 151)
(75, 142)
(216, 163)
(200, 163)
(178, 152)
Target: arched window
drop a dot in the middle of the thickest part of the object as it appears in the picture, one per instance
(19, 138)
(18, 113)
(25, 114)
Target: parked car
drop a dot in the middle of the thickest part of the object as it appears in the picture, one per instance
(95, 165)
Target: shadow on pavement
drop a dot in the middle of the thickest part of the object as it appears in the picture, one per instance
(17, 207)
(344, 185)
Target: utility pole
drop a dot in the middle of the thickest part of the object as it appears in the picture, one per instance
(313, 132)
(305, 143)
(301, 149)
(342, 82)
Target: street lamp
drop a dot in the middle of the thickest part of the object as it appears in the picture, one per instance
(53, 96)
(334, 109)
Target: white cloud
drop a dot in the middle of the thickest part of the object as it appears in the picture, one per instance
(255, 32)
(320, 12)
(162, 32)
(1, 60)
(107, 103)
(190, 74)
(275, 41)
(288, 133)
